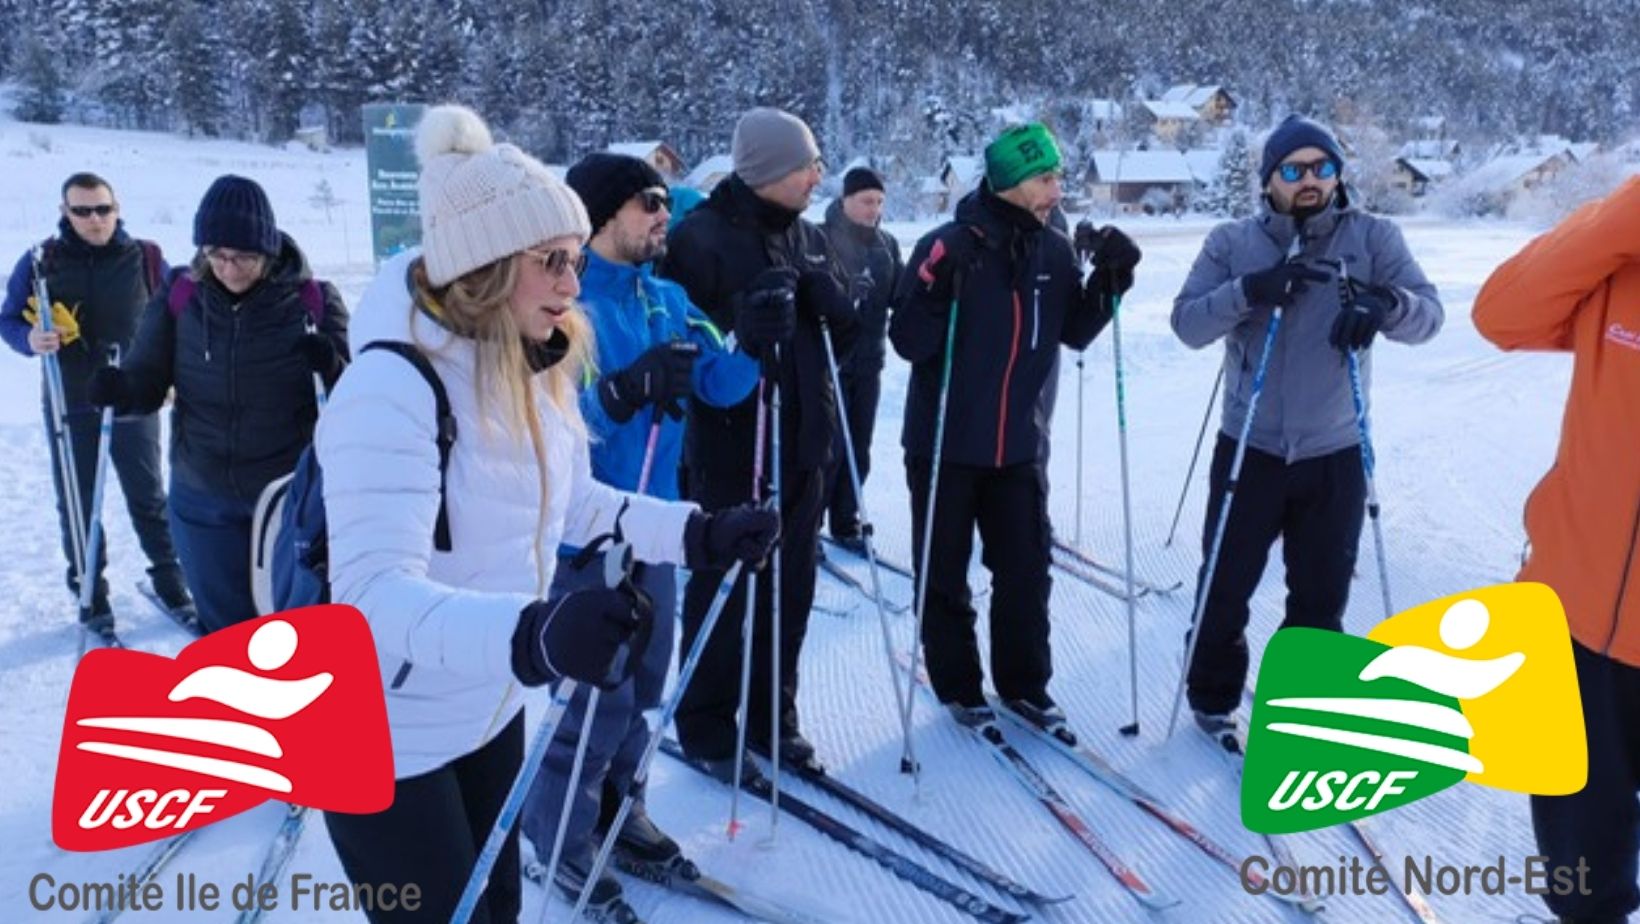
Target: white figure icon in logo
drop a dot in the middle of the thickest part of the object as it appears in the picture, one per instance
(1463, 625)
(271, 647)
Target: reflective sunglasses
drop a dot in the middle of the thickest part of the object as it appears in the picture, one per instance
(653, 200)
(86, 211)
(559, 261)
(1320, 169)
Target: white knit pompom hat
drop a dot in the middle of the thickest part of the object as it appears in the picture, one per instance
(482, 201)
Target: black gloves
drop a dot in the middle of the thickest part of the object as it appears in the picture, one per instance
(820, 297)
(107, 388)
(714, 541)
(1361, 313)
(765, 311)
(1113, 253)
(956, 249)
(864, 285)
(577, 636)
(663, 376)
(1277, 286)
(319, 354)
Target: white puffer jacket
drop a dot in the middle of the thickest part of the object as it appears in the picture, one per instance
(450, 616)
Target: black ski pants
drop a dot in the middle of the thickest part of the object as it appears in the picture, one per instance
(1009, 506)
(861, 390)
(1315, 506)
(706, 714)
(433, 832)
(1599, 826)
(134, 457)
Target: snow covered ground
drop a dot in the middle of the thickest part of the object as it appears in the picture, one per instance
(1462, 433)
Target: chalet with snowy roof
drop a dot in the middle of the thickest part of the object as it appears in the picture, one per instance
(709, 172)
(1139, 181)
(659, 154)
(1211, 102)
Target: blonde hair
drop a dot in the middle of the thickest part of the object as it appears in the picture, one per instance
(477, 306)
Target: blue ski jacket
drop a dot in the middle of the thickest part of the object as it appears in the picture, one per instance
(632, 310)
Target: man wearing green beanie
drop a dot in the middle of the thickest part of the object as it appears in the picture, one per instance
(1016, 284)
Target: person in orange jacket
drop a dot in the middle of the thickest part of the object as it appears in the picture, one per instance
(1576, 289)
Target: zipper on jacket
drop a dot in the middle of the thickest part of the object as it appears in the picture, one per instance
(1036, 313)
(1007, 377)
(233, 419)
(1622, 586)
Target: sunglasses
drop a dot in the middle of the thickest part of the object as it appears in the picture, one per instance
(560, 261)
(1320, 169)
(86, 211)
(653, 200)
(242, 261)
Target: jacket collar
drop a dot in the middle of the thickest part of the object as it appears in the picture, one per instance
(741, 205)
(602, 274)
(71, 239)
(1281, 228)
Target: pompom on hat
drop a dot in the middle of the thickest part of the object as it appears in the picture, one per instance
(482, 201)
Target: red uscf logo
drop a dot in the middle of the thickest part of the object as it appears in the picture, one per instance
(285, 707)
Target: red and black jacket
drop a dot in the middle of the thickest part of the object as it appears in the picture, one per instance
(1021, 298)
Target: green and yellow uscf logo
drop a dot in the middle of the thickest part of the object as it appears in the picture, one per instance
(1475, 687)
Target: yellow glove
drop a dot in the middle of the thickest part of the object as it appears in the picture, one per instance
(65, 323)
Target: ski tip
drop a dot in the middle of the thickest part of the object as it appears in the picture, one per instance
(1130, 730)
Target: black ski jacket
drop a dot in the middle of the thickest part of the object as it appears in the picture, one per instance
(1018, 302)
(245, 406)
(714, 253)
(870, 258)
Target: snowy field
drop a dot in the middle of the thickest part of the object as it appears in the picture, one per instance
(1462, 433)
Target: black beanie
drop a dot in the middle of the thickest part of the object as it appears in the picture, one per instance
(236, 213)
(1293, 133)
(860, 179)
(604, 181)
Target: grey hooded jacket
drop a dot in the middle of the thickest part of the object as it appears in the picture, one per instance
(1306, 409)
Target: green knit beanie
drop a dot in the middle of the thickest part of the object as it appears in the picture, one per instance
(1019, 153)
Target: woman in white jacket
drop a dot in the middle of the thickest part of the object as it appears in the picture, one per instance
(490, 301)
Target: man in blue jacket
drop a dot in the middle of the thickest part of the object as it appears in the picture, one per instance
(99, 279)
(656, 351)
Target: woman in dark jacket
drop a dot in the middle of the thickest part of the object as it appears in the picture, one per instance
(239, 336)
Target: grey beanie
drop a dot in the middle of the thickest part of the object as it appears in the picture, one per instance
(769, 144)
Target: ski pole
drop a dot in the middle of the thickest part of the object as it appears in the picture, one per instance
(775, 612)
(933, 495)
(617, 572)
(908, 757)
(1079, 402)
(749, 620)
(1217, 544)
(320, 394)
(57, 425)
(578, 763)
(93, 547)
(480, 876)
(1201, 435)
(640, 776)
(1369, 462)
(1132, 728)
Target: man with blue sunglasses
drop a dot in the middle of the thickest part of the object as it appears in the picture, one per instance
(1302, 478)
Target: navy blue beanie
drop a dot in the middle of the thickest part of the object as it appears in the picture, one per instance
(236, 213)
(1293, 133)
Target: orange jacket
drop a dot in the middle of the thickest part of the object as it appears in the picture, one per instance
(1577, 289)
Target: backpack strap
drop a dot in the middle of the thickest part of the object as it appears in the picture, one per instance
(152, 260)
(312, 296)
(182, 291)
(446, 426)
